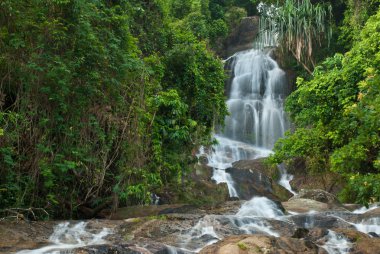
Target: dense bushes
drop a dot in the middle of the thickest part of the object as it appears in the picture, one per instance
(102, 102)
(337, 115)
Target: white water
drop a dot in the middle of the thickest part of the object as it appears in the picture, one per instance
(365, 209)
(336, 243)
(369, 225)
(260, 206)
(221, 176)
(256, 101)
(251, 218)
(257, 117)
(285, 179)
(67, 237)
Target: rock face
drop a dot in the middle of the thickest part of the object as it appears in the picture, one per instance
(242, 37)
(330, 182)
(253, 180)
(258, 244)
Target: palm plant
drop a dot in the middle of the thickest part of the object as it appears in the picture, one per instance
(298, 26)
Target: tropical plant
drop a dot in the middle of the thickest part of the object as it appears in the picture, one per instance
(299, 27)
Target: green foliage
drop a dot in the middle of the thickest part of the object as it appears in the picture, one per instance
(199, 78)
(234, 15)
(337, 113)
(103, 102)
(355, 17)
(300, 27)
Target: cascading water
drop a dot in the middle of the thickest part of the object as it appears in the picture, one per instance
(256, 101)
(66, 237)
(336, 243)
(257, 117)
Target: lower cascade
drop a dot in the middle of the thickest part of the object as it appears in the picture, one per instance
(67, 237)
(257, 119)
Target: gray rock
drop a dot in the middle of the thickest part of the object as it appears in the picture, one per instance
(254, 182)
(318, 195)
(311, 221)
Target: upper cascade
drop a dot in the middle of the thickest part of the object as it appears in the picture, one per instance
(256, 100)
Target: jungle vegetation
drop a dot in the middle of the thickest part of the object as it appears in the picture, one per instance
(104, 102)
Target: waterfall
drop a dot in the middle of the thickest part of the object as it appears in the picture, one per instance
(256, 100)
(257, 117)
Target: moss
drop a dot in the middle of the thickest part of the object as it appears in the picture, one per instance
(242, 246)
(157, 217)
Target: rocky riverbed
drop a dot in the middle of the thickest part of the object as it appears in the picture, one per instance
(313, 221)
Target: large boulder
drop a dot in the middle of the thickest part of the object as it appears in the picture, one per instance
(316, 220)
(258, 244)
(318, 195)
(313, 200)
(254, 179)
(301, 205)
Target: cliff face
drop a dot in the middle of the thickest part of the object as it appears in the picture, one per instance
(241, 38)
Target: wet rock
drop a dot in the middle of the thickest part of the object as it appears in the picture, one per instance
(316, 234)
(20, 235)
(352, 235)
(203, 160)
(112, 249)
(262, 244)
(202, 172)
(148, 248)
(301, 205)
(260, 165)
(300, 233)
(227, 208)
(254, 182)
(371, 214)
(373, 234)
(330, 182)
(318, 195)
(143, 211)
(185, 209)
(351, 207)
(367, 246)
(310, 221)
